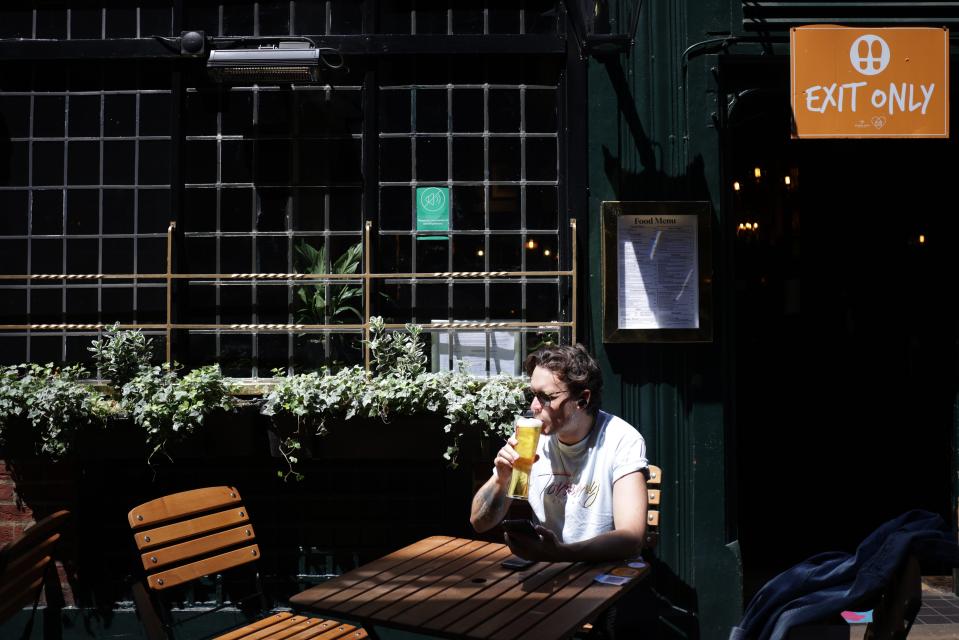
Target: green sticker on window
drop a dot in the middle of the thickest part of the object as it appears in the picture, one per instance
(432, 211)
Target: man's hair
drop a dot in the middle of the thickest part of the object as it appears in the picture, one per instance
(575, 367)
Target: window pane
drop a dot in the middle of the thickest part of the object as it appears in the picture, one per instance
(469, 301)
(395, 157)
(82, 306)
(431, 303)
(272, 211)
(394, 111)
(48, 163)
(468, 208)
(154, 210)
(47, 216)
(506, 301)
(432, 255)
(118, 210)
(121, 22)
(395, 302)
(83, 163)
(468, 17)
(15, 115)
(469, 253)
(274, 17)
(540, 158)
(235, 256)
(346, 210)
(504, 110)
(395, 254)
(431, 159)
(272, 305)
(237, 162)
(541, 110)
(504, 159)
(395, 16)
(468, 159)
(468, 110)
(83, 211)
(431, 110)
(541, 253)
(396, 208)
(309, 209)
(542, 302)
(118, 255)
(13, 257)
(236, 209)
(119, 115)
(48, 116)
(119, 161)
(541, 207)
(504, 207)
(505, 253)
(154, 162)
(83, 256)
(13, 213)
(13, 305)
(199, 210)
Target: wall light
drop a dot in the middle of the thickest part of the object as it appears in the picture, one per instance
(736, 186)
(922, 238)
(758, 173)
(787, 180)
(530, 245)
(283, 62)
(480, 253)
(546, 253)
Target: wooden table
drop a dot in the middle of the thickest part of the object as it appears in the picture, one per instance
(456, 588)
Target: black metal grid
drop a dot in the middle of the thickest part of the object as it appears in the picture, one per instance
(488, 131)
(86, 190)
(248, 172)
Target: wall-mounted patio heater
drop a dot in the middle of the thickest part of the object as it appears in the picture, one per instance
(281, 62)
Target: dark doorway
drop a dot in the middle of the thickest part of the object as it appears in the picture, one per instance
(845, 328)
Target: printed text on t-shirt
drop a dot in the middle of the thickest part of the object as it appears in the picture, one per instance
(561, 486)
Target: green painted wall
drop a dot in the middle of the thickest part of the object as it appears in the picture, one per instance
(652, 137)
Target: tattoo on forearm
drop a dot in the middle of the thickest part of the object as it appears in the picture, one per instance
(490, 503)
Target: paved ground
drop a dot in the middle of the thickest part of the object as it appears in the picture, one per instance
(939, 617)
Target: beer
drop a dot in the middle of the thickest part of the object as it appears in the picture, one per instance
(527, 437)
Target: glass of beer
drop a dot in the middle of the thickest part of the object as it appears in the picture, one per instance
(527, 437)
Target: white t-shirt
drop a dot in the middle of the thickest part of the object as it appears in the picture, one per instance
(571, 486)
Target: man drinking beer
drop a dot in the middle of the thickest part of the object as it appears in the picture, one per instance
(587, 486)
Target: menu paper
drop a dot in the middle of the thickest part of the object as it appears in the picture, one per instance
(474, 348)
(658, 271)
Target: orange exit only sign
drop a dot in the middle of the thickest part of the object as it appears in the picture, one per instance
(869, 83)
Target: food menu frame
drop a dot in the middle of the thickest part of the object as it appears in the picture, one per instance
(657, 271)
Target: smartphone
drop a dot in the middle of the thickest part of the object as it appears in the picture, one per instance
(514, 562)
(520, 527)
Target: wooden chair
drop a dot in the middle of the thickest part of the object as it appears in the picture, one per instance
(26, 563)
(654, 486)
(186, 536)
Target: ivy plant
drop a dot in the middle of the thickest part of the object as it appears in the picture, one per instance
(51, 405)
(302, 404)
(121, 355)
(169, 407)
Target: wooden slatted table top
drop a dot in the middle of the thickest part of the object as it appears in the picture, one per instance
(456, 588)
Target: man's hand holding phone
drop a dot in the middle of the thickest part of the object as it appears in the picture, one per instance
(532, 542)
(520, 527)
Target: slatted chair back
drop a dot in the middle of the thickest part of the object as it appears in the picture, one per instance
(25, 563)
(654, 487)
(185, 536)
